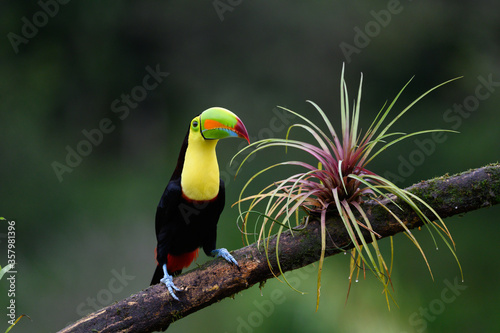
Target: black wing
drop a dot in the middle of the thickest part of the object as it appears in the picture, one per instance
(167, 214)
(183, 226)
(215, 209)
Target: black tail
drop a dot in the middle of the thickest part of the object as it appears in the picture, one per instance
(157, 275)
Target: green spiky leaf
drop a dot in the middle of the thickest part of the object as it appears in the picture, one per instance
(340, 182)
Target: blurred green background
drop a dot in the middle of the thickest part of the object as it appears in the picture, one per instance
(67, 66)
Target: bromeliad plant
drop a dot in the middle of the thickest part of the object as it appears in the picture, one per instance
(340, 182)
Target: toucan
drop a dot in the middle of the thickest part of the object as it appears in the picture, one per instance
(189, 209)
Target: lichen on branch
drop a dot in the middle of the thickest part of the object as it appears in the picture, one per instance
(153, 309)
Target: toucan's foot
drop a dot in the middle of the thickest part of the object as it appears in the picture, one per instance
(169, 282)
(222, 252)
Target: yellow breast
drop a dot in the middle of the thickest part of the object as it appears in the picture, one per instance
(200, 175)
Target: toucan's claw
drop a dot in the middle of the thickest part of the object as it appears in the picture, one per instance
(169, 283)
(224, 253)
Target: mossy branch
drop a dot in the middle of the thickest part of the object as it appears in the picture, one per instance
(154, 310)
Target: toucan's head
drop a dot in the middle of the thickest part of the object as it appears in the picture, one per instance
(218, 123)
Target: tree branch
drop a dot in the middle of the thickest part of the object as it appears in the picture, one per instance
(153, 309)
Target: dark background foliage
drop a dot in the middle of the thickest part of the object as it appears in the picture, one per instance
(86, 238)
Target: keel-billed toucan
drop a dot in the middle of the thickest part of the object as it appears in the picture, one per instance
(189, 209)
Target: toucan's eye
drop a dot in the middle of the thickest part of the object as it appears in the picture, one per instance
(194, 124)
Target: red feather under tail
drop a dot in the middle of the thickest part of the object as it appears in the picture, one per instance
(177, 263)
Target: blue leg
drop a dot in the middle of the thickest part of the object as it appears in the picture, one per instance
(222, 252)
(169, 282)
